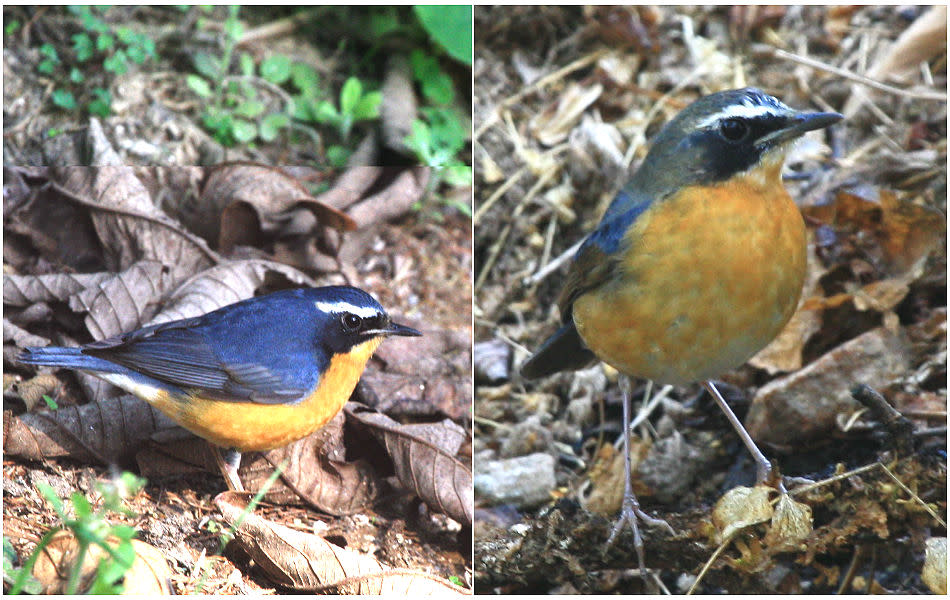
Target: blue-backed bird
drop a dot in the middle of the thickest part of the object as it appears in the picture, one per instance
(697, 264)
(251, 376)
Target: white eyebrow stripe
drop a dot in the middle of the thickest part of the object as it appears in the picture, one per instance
(746, 111)
(340, 307)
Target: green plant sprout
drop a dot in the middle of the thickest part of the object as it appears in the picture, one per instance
(236, 115)
(89, 527)
(114, 48)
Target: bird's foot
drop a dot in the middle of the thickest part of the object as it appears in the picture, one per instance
(630, 514)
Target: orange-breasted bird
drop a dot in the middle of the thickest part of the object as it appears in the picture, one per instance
(697, 264)
(251, 376)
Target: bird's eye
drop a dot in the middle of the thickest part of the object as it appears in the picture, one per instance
(351, 322)
(734, 129)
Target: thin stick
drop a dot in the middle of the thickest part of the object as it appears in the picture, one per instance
(543, 81)
(872, 83)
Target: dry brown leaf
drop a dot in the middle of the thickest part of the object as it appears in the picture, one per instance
(422, 377)
(424, 457)
(607, 477)
(909, 232)
(240, 195)
(223, 284)
(741, 507)
(21, 337)
(107, 432)
(23, 290)
(124, 301)
(316, 472)
(791, 524)
(304, 561)
(129, 224)
(148, 576)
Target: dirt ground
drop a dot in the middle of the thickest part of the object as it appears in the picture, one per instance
(566, 99)
(130, 235)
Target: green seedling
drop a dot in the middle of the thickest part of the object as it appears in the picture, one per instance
(90, 527)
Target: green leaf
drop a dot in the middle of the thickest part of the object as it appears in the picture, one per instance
(423, 65)
(247, 64)
(439, 88)
(232, 27)
(272, 124)
(326, 113)
(368, 107)
(305, 78)
(82, 45)
(64, 99)
(49, 51)
(459, 176)
(276, 69)
(136, 54)
(104, 42)
(207, 65)
(81, 505)
(116, 63)
(338, 155)
(53, 132)
(148, 46)
(50, 403)
(125, 35)
(350, 95)
(102, 105)
(383, 21)
(249, 109)
(11, 27)
(450, 27)
(419, 141)
(47, 66)
(244, 131)
(199, 86)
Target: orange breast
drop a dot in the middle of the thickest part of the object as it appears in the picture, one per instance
(710, 277)
(247, 426)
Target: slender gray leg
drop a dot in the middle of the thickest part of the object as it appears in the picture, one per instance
(229, 460)
(763, 466)
(630, 511)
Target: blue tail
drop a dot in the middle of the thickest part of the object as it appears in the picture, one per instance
(72, 358)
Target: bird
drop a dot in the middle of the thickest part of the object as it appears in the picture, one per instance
(250, 376)
(697, 264)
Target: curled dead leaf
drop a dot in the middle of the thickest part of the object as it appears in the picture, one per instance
(316, 471)
(148, 575)
(303, 561)
(242, 201)
(108, 432)
(742, 507)
(424, 456)
(791, 524)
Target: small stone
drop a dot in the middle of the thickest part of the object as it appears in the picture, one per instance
(934, 572)
(525, 481)
(492, 360)
(527, 437)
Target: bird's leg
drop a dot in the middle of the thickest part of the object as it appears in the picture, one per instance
(630, 511)
(229, 460)
(763, 466)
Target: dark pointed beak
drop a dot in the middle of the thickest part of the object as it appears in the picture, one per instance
(798, 124)
(397, 329)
